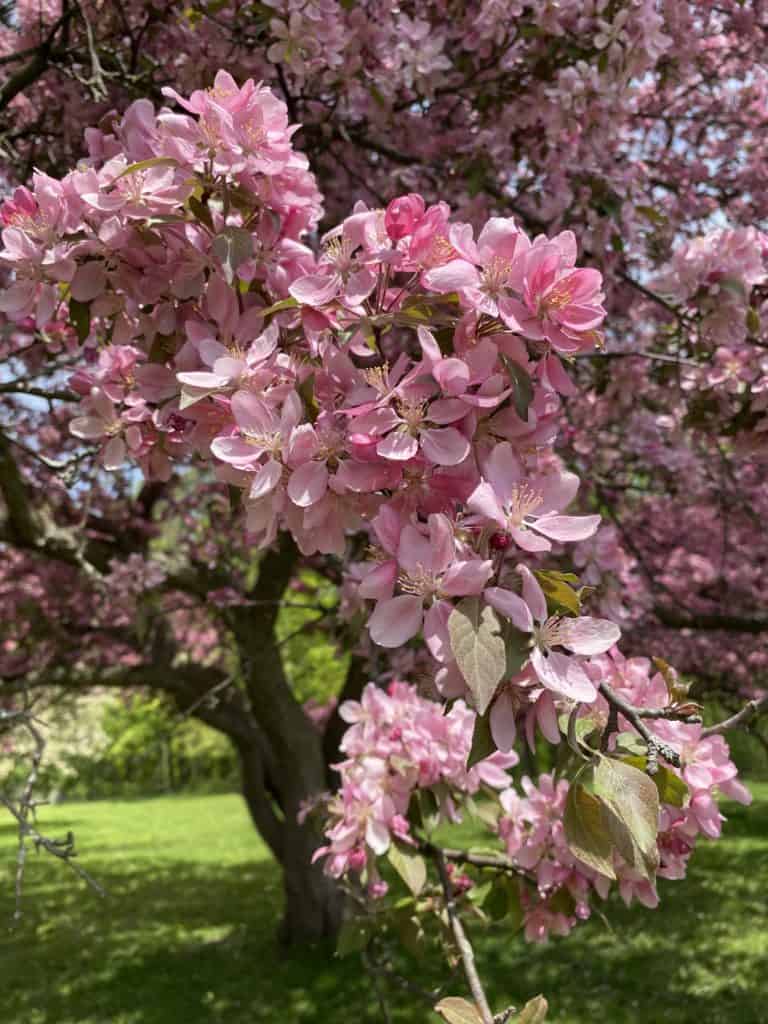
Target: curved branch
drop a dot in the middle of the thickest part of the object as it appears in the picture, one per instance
(751, 710)
(710, 621)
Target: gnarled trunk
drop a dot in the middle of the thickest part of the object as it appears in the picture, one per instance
(313, 902)
(283, 763)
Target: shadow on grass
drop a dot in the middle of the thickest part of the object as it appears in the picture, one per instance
(702, 958)
(11, 828)
(186, 943)
(173, 943)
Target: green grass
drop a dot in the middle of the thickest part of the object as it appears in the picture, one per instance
(186, 934)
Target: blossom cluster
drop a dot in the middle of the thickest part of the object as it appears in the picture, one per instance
(398, 743)
(405, 380)
(398, 388)
(531, 825)
(719, 279)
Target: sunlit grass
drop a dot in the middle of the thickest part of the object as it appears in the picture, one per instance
(186, 935)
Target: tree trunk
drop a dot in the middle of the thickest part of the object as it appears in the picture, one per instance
(313, 902)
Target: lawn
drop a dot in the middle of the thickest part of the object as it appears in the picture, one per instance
(186, 934)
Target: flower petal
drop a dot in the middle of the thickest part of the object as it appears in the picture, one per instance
(396, 620)
(563, 675)
(511, 606)
(445, 446)
(586, 635)
(308, 484)
(567, 528)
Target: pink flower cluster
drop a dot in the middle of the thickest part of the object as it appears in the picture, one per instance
(405, 379)
(398, 742)
(532, 823)
(117, 244)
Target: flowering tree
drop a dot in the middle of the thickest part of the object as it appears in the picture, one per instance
(505, 434)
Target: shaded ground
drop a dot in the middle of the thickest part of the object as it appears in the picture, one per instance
(186, 935)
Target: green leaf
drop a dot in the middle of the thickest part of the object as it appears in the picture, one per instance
(630, 743)
(430, 809)
(191, 396)
(517, 648)
(478, 894)
(522, 387)
(232, 248)
(583, 727)
(652, 214)
(534, 1011)
(80, 317)
(201, 212)
(559, 593)
(753, 321)
(162, 348)
(497, 904)
(279, 307)
(144, 165)
(671, 788)
(478, 648)
(631, 802)
(585, 826)
(455, 1010)
(410, 865)
(353, 937)
(410, 933)
(487, 811)
(482, 741)
(562, 902)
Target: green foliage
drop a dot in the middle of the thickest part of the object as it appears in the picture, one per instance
(80, 316)
(522, 395)
(410, 865)
(558, 589)
(188, 934)
(146, 748)
(313, 663)
(613, 806)
(233, 247)
(482, 740)
(478, 647)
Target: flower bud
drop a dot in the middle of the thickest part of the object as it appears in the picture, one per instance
(357, 859)
(402, 215)
(500, 541)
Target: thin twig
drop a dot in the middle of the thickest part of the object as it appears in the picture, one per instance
(463, 944)
(750, 710)
(378, 988)
(632, 714)
(24, 808)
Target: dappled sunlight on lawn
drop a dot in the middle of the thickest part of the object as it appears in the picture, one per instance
(186, 935)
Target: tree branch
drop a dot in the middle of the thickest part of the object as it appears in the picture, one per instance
(751, 710)
(36, 67)
(463, 944)
(633, 715)
(710, 621)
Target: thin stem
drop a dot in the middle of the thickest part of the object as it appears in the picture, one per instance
(750, 710)
(463, 944)
(378, 989)
(632, 714)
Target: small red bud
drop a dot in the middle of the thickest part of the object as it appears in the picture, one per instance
(500, 541)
